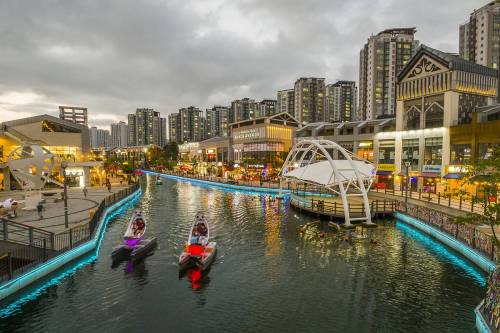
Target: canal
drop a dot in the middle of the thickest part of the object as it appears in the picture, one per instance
(268, 276)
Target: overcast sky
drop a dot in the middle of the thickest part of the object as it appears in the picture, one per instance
(115, 56)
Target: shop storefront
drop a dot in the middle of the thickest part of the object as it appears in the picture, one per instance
(365, 150)
(260, 146)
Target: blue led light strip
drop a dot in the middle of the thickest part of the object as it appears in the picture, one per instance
(251, 189)
(22, 281)
(474, 256)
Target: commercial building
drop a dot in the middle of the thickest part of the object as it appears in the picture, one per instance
(243, 109)
(217, 122)
(286, 101)
(340, 101)
(99, 138)
(74, 114)
(472, 142)
(260, 145)
(480, 37)
(119, 135)
(66, 140)
(146, 127)
(309, 100)
(380, 60)
(436, 91)
(267, 107)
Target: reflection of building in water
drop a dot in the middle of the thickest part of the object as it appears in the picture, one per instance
(272, 225)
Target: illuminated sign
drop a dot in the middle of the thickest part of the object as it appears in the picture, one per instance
(386, 167)
(210, 151)
(458, 168)
(364, 144)
(431, 168)
(248, 134)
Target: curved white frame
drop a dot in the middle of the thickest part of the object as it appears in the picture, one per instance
(297, 157)
(41, 159)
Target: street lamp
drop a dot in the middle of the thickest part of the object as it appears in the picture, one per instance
(64, 165)
(407, 165)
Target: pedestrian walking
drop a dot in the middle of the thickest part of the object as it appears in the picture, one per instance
(109, 186)
(39, 209)
(85, 191)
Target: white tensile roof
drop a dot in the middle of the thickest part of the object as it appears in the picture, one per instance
(322, 172)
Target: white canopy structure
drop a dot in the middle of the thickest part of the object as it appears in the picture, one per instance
(311, 161)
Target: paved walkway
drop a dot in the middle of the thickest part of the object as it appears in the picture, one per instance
(79, 208)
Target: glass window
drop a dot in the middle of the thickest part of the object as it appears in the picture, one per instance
(460, 154)
(433, 151)
(410, 153)
(49, 126)
(386, 152)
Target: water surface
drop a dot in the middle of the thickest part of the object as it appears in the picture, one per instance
(268, 276)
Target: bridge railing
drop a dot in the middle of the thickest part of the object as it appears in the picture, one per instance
(337, 208)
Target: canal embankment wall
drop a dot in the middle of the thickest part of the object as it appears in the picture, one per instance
(97, 226)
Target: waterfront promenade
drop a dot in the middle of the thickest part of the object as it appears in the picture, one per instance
(79, 208)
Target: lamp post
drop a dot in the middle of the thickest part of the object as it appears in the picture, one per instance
(64, 165)
(407, 165)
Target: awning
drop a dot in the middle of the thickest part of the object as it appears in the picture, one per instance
(322, 172)
(453, 176)
(429, 174)
(384, 173)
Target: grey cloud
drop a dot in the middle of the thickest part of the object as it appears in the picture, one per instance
(114, 56)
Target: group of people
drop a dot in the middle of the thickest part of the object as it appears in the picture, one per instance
(138, 226)
(200, 230)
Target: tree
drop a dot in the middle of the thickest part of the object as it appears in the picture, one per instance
(171, 150)
(487, 171)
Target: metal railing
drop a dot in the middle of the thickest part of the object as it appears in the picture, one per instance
(336, 209)
(29, 254)
(460, 202)
(23, 234)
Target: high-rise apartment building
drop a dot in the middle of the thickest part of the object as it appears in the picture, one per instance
(267, 107)
(480, 37)
(217, 121)
(174, 128)
(380, 60)
(243, 109)
(146, 127)
(99, 138)
(187, 125)
(119, 134)
(77, 115)
(340, 104)
(286, 101)
(309, 100)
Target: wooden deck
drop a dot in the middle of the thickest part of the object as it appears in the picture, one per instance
(332, 207)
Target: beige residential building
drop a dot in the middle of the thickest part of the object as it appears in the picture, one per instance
(480, 37)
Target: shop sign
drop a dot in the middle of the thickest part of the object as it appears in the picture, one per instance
(386, 167)
(431, 168)
(247, 134)
(256, 166)
(365, 144)
(458, 168)
(210, 151)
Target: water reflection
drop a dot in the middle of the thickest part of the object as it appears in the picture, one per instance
(267, 271)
